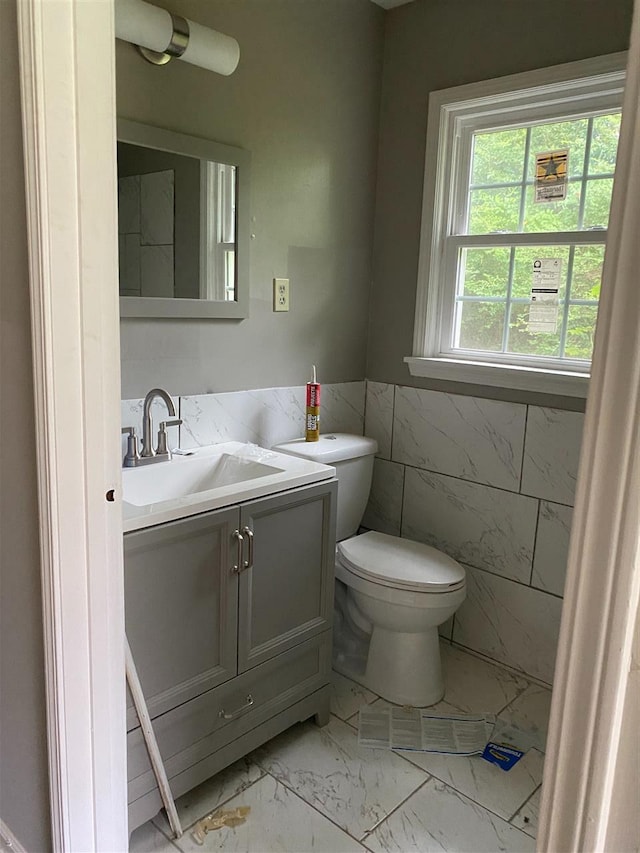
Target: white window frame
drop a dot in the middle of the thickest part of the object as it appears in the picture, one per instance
(218, 229)
(576, 88)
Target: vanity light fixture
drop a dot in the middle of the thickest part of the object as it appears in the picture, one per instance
(160, 35)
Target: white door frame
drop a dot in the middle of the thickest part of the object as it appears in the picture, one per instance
(603, 574)
(67, 72)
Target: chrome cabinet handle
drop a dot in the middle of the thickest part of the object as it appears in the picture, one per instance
(248, 564)
(223, 715)
(238, 567)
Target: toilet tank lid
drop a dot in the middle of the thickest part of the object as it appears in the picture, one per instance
(400, 562)
(332, 447)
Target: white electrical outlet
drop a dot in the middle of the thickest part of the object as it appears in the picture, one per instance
(281, 294)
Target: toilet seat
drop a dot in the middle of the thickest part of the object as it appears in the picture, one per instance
(400, 563)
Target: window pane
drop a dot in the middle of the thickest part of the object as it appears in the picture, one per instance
(597, 203)
(481, 325)
(587, 272)
(604, 144)
(523, 268)
(523, 342)
(484, 272)
(494, 210)
(553, 215)
(581, 326)
(557, 135)
(498, 156)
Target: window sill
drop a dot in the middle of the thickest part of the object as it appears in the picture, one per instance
(566, 383)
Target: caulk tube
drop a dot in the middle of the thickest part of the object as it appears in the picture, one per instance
(312, 428)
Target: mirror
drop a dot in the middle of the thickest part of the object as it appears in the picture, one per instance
(183, 225)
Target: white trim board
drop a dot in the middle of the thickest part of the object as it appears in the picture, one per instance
(496, 375)
(66, 58)
(603, 575)
(7, 837)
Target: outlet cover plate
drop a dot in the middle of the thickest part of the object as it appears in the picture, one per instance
(281, 294)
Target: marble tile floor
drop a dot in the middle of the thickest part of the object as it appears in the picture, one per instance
(313, 789)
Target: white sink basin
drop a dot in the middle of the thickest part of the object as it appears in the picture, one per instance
(214, 477)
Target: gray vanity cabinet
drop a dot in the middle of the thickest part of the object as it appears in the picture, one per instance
(286, 594)
(181, 608)
(231, 648)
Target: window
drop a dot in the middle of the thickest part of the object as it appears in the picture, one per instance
(218, 229)
(518, 182)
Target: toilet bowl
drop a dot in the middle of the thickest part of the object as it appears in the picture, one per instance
(400, 592)
(395, 592)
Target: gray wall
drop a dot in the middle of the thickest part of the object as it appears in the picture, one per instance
(304, 100)
(434, 44)
(24, 795)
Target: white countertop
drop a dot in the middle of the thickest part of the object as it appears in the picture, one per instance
(213, 477)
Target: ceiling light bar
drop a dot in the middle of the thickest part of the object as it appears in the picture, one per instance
(160, 36)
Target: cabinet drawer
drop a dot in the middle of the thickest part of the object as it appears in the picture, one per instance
(198, 728)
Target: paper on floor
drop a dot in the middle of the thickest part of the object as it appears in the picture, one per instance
(412, 728)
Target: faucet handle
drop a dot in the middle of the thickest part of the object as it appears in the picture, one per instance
(162, 435)
(132, 456)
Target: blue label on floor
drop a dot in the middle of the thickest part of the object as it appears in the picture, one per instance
(504, 756)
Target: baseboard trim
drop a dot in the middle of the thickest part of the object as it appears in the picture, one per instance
(9, 838)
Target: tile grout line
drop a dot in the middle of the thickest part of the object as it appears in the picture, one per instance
(393, 421)
(524, 444)
(365, 407)
(515, 699)
(525, 675)
(511, 580)
(535, 543)
(531, 795)
(311, 805)
(404, 483)
(476, 483)
(368, 832)
(469, 797)
(395, 809)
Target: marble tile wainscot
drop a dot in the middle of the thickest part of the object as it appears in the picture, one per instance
(492, 484)
(266, 416)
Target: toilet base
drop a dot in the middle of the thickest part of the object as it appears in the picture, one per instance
(405, 668)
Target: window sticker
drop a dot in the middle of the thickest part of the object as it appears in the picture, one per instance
(543, 310)
(550, 182)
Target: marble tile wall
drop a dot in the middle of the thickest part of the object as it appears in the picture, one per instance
(492, 484)
(266, 416)
(146, 234)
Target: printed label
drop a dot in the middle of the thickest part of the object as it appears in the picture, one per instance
(550, 183)
(543, 310)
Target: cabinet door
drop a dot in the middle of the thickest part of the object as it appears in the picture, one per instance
(286, 595)
(181, 607)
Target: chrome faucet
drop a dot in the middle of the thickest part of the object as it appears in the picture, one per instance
(148, 454)
(147, 425)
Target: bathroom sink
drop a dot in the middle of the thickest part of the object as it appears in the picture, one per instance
(164, 481)
(213, 477)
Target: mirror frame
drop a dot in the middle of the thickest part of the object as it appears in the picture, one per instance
(148, 136)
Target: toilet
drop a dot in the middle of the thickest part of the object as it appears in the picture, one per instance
(396, 592)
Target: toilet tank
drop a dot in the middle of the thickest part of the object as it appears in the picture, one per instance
(352, 457)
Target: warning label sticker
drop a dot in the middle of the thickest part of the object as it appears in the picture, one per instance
(550, 183)
(545, 289)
